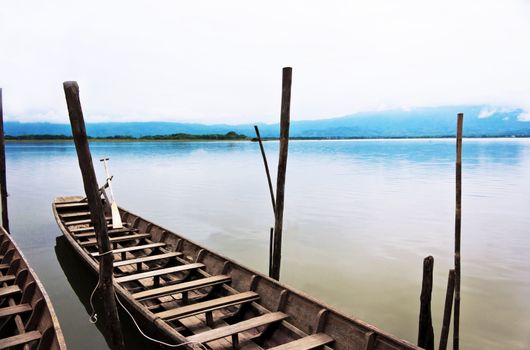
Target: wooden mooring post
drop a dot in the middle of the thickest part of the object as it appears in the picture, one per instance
(3, 178)
(282, 168)
(447, 310)
(425, 329)
(97, 215)
(458, 226)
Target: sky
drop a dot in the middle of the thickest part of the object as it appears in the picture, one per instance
(221, 61)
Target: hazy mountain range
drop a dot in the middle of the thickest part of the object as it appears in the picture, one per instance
(417, 122)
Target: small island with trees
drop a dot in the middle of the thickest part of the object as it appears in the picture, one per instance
(229, 136)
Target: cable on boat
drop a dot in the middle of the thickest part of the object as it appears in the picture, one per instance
(94, 318)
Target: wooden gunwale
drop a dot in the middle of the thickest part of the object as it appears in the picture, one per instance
(275, 296)
(31, 308)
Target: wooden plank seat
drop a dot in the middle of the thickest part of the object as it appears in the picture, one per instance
(159, 272)
(19, 339)
(236, 328)
(7, 278)
(81, 222)
(4, 266)
(8, 291)
(73, 215)
(207, 306)
(117, 239)
(14, 310)
(134, 248)
(181, 287)
(306, 343)
(110, 232)
(71, 205)
(148, 258)
(91, 228)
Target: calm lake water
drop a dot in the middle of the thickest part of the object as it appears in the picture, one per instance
(360, 216)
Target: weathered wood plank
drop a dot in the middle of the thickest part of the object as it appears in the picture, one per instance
(160, 272)
(81, 222)
(71, 205)
(14, 310)
(117, 239)
(10, 290)
(148, 258)
(7, 278)
(110, 232)
(134, 248)
(85, 229)
(19, 339)
(209, 305)
(181, 287)
(239, 327)
(306, 343)
(73, 215)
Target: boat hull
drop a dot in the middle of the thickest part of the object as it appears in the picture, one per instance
(306, 316)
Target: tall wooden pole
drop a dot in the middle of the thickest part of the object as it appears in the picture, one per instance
(3, 179)
(425, 329)
(282, 168)
(447, 310)
(97, 215)
(458, 220)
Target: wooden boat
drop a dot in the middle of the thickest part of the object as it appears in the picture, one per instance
(27, 318)
(184, 293)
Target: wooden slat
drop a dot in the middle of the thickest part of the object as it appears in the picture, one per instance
(15, 309)
(71, 205)
(239, 327)
(117, 239)
(160, 272)
(134, 248)
(88, 228)
(7, 278)
(306, 343)
(73, 215)
(81, 222)
(110, 232)
(4, 266)
(209, 305)
(144, 259)
(10, 290)
(19, 339)
(181, 287)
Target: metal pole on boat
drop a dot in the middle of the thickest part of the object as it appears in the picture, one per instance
(97, 215)
(282, 167)
(447, 310)
(3, 180)
(458, 220)
(425, 329)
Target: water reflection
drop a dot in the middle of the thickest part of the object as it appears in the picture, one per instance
(360, 216)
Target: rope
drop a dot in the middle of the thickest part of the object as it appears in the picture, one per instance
(93, 315)
(94, 318)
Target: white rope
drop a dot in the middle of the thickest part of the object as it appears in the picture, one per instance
(152, 339)
(94, 318)
(93, 315)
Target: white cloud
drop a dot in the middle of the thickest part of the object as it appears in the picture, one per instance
(524, 117)
(487, 112)
(211, 61)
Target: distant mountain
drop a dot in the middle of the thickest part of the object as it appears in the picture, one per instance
(418, 122)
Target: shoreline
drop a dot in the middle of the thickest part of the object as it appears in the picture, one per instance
(263, 139)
